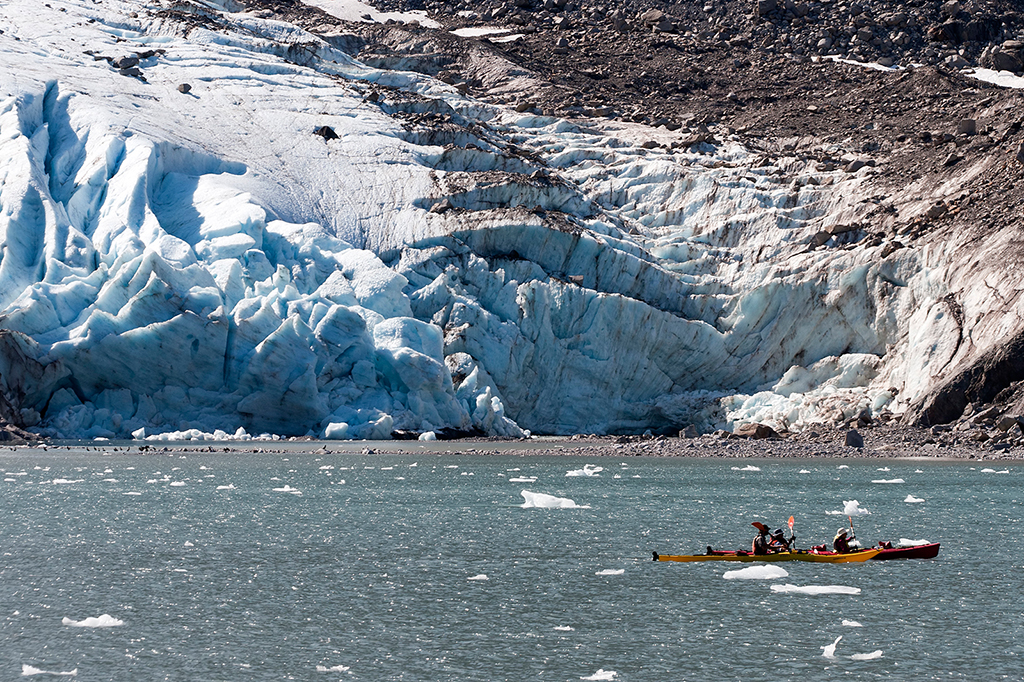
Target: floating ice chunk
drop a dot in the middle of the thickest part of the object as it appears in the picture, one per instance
(64, 481)
(829, 650)
(844, 466)
(523, 479)
(482, 576)
(587, 470)
(889, 480)
(867, 657)
(904, 542)
(229, 486)
(882, 469)
(803, 471)
(815, 589)
(544, 501)
(602, 674)
(564, 628)
(188, 543)
(332, 669)
(611, 571)
(27, 670)
(993, 471)
(104, 621)
(749, 467)
(428, 436)
(767, 572)
(131, 493)
(853, 508)
(288, 489)
(911, 498)
(177, 484)
(851, 624)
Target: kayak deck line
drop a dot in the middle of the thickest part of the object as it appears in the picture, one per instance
(796, 555)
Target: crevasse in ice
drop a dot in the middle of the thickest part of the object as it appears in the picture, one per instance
(200, 262)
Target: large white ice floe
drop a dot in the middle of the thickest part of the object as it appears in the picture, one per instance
(534, 500)
(196, 262)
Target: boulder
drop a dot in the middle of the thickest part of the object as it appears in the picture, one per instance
(125, 62)
(326, 132)
(950, 32)
(184, 88)
(967, 126)
(854, 439)
(689, 432)
(765, 7)
(1020, 153)
(1006, 423)
(756, 431)
(652, 17)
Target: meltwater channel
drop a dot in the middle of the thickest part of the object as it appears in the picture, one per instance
(308, 566)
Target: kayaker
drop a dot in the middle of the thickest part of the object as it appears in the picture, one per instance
(778, 543)
(761, 540)
(841, 543)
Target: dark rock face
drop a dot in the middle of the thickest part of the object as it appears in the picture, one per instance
(981, 382)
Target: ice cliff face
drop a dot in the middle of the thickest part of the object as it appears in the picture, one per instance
(196, 258)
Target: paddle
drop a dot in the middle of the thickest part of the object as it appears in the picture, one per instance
(792, 535)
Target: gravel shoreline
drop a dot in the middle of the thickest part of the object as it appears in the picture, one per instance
(879, 443)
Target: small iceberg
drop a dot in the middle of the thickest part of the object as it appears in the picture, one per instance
(229, 486)
(912, 500)
(829, 650)
(889, 480)
(815, 589)
(602, 674)
(611, 571)
(767, 572)
(564, 628)
(851, 624)
(104, 621)
(481, 576)
(867, 657)
(177, 484)
(587, 470)
(749, 467)
(288, 489)
(27, 670)
(850, 508)
(523, 479)
(332, 669)
(543, 501)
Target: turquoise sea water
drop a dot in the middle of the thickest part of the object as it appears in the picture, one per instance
(427, 567)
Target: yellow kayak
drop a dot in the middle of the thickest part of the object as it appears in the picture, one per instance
(796, 555)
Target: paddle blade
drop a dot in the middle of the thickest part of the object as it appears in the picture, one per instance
(791, 523)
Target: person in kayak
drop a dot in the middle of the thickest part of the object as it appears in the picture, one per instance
(778, 542)
(841, 543)
(761, 541)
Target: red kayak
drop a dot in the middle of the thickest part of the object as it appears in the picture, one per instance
(929, 551)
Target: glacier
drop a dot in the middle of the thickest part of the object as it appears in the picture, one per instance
(249, 231)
